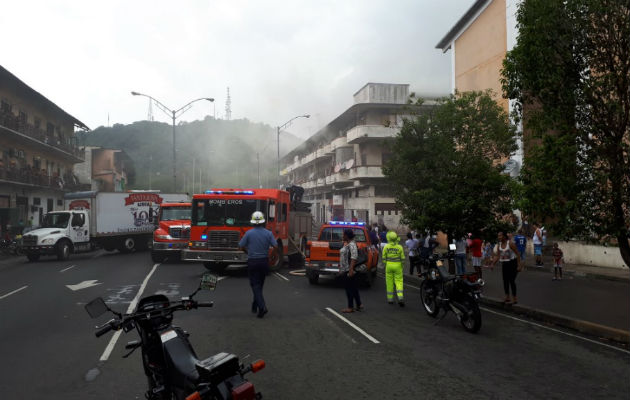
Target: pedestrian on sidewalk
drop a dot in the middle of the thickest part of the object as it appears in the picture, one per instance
(557, 262)
(487, 254)
(506, 252)
(393, 257)
(538, 244)
(348, 256)
(412, 249)
(521, 242)
(460, 255)
(475, 250)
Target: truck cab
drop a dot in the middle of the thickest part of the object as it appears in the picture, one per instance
(322, 255)
(172, 230)
(61, 233)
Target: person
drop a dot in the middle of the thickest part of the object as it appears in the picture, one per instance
(428, 244)
(544, 235)
(382, 236)
(348, 256)
(257, 242)
(506, 252)
(412, 248)
(373, 237)
(393, 257)
(521, 242)
(557, 262)
(475, 251)
(460, 255)
(537, 241)
(487, 254)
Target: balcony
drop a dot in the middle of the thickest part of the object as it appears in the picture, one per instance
(337, 143)
(364, 133)
(30, 177)
(367, 171)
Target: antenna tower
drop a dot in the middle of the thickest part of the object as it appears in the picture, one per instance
(150, 115)
(228, 106)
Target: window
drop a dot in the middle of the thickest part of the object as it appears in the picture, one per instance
(221, 212)
(50, 128)
(272, 211)
(37, 123)
(60, 202)
(22, 117)
(363, 158)
(37, 201)
(5, 106)
(284, 213)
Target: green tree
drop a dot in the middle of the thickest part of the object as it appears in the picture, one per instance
(445, 166)
(570, 76)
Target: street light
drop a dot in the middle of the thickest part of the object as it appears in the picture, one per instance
(173, 114)
(278, 139)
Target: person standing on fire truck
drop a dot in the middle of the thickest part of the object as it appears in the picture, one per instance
(256, 243)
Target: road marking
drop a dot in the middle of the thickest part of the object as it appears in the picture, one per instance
(554, 330)
(132, 306)
(65, 269)
(361, 331)
(84, 285)
(13, 292)
(281, 276)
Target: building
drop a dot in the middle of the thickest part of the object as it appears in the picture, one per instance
(478, 43)
(38, 149)
(340, 166)
(107, 170)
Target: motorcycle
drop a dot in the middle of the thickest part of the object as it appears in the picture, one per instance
(170, 363)
(12, 246)
(459, 294)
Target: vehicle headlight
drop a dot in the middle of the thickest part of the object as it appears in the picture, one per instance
(164, 237)
(48, 241)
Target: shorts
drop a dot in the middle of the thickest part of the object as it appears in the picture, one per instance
(538, 249)
(522, 251)
(557, 263)
(476, 261)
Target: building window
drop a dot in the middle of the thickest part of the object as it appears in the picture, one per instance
(60, 202)
(22, 117)
(5, 106)
(385, 157)
(37, 201)
(37, 123)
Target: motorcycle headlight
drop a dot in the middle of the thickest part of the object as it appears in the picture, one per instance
(48, 241)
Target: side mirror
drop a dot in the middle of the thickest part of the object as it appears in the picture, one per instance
(208, 281)
(96, 307)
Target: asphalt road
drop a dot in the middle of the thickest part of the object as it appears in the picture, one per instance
(49, 350)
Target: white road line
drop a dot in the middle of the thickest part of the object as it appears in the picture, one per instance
(13, 292)
(132, 306)
(361, 331)
(65, 269)
(281, 276)
(555, 330)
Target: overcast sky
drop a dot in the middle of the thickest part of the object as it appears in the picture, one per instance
(279, 58)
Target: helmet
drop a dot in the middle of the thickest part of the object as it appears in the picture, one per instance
(258, 218)
(392, 237)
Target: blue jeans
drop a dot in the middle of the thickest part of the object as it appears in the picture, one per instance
(460, 264)
(257, 269)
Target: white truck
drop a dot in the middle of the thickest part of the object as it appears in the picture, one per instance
(111, 220)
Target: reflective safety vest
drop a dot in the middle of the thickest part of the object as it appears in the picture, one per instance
(393, 253)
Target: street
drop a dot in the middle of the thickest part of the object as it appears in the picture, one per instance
(49, 349)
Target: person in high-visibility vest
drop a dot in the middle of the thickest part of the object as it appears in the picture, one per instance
(393, 257)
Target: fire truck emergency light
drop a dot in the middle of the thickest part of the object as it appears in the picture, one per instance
(247, 192)
(346, 223)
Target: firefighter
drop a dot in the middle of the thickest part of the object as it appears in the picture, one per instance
(393, 257)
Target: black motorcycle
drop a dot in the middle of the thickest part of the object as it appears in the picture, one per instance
(12, 246)
(170, 363)
(441, 290)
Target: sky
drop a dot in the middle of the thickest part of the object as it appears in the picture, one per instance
(279, 59)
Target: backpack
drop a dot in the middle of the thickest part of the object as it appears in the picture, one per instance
(362, 258)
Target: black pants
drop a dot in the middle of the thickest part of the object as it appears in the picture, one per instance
(257, 269)
(413, 264)
(509, 276)
(352, 292)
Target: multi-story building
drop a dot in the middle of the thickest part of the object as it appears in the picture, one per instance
(340, 166)
(38, 148)
(107, 170)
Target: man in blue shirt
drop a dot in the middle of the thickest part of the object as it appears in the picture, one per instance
(256, 243)
(521, 242)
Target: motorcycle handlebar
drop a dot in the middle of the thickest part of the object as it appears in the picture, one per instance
(205, 304)
(104, 330)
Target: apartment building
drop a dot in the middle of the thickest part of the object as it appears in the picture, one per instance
(106, 170)
(340, 166)
(38, 149)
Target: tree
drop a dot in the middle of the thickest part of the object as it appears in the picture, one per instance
(445, 166)
(570, 76)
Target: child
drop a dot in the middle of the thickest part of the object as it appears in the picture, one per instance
(487, 255)
(557, 262)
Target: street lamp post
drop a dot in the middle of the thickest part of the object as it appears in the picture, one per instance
(278, 139)
(173, 114)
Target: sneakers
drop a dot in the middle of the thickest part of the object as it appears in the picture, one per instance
(262, 313)
(401, 303)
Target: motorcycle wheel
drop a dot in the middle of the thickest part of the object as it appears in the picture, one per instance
(428, 293)
(471, 320)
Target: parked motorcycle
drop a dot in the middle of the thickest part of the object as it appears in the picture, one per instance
(12, 246)
(459, 294)
(170, 363)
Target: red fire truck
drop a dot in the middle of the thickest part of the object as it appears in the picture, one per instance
(220, 218)
(172, 230)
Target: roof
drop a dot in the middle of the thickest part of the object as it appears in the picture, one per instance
(12, 82)
(463, 22)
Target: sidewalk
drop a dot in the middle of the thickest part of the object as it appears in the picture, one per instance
(592, 300)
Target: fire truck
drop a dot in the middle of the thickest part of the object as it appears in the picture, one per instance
(172, 230)
(220, 218)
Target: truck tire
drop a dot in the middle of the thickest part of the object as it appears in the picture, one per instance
(215, 266)
(63, 250)
(32, 257)
(158, 256)
(276, 264)
(127, 245)
(313, 278)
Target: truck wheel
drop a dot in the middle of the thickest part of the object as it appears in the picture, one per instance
(215, 266)
(127, 245)
(157, 256)
(276, 263)
(32, 257)
(313, 278)
(63, 250)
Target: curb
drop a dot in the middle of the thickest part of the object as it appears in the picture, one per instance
(589, 328)
(570, 272)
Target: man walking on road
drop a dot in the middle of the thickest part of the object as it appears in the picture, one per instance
(256, 242)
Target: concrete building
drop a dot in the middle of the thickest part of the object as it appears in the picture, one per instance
(38, 149)
(340, 166)
(107, 170)
(478, 43)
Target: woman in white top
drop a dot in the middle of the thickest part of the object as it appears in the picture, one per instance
(507, 252)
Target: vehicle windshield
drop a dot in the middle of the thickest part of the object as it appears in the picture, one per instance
(174, 213)
(220, 212)
(59, 220)
(336, 234)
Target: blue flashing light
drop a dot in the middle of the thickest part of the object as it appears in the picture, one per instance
(204, 237)
(346, 223)
(246, 192)
(170, 245)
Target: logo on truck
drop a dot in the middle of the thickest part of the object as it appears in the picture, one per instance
(143, 197)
